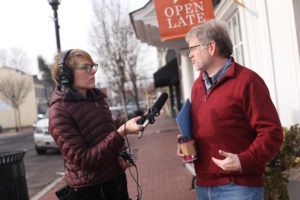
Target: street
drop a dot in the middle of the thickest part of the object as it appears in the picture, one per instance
(40, 169)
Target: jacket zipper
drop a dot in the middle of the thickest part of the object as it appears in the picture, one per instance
(213, 87)
(89, 178)
(205, 98)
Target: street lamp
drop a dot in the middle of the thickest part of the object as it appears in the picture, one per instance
(54, 4)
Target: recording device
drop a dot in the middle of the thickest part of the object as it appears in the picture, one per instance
(154, 111)
(126, 154)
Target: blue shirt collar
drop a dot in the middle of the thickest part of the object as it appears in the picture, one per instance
(217, 76)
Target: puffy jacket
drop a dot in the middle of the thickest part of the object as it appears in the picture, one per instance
(86, 135)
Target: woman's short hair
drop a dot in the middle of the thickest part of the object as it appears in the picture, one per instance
(70, 62)
(212, 31)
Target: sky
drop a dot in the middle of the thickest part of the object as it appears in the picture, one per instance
(29, 25)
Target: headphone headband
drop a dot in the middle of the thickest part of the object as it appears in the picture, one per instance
(63, 57)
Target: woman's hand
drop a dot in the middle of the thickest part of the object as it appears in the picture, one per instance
(123, 164)
(131, 127)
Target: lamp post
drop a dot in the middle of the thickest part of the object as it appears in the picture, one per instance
(54, 4)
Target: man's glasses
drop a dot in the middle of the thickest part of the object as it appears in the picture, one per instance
(88, 68)
(191, 49)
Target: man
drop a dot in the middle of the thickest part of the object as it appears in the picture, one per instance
(234, 122)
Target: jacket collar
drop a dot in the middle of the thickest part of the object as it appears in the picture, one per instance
(72, 95)
(229, 74)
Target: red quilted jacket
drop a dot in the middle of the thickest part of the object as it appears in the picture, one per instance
(86, 135)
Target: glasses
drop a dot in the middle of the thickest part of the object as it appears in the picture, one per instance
(88, 68)
(191, 49)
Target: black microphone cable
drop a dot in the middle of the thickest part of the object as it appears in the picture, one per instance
(136, 180)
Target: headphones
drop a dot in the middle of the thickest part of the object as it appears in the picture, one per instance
(65, 73)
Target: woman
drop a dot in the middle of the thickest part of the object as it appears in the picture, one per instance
(81, 124)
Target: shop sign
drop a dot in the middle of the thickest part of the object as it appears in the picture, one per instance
(177, 17)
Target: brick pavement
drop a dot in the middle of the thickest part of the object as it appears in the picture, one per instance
(162, 175)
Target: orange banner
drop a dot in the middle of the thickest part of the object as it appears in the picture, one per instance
(177, 17)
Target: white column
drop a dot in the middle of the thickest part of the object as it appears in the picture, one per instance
(187, 76)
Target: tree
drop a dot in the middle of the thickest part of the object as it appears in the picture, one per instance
(45, 70)
(15, 58)
(14, 87)
(279, 169)
(133, 48)
(116, 45)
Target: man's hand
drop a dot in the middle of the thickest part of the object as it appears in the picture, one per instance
(179, 152)
(231, 163)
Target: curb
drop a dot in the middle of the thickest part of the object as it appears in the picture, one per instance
(7, 135)
(12, 132)
(47, 188)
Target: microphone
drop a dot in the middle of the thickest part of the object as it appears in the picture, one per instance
(154, 111)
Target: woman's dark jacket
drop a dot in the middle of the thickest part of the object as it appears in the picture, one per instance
(86, 135)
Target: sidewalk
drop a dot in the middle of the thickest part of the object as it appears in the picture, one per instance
(162, 174)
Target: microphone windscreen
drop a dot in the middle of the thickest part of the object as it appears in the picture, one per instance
(160, 102)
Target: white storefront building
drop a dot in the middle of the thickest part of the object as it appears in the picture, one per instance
(266, 39)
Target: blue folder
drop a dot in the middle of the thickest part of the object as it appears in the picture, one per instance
(184, 119)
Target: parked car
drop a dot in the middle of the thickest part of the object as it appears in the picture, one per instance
(39, 117)
(42, 138)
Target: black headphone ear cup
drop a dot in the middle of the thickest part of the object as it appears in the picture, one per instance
(66, 75)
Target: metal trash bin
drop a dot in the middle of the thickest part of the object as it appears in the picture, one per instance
(12, 176)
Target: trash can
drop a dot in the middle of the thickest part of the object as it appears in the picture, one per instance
(12, 176)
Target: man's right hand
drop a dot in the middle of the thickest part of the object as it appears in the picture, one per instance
(179, 152)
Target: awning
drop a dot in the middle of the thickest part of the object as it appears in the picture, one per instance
(167, 75)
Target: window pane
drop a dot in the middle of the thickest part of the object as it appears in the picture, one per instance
(239, 25)
(239, 55)
(234, 55)
(230, 31)
(242, 55)
(235, 30)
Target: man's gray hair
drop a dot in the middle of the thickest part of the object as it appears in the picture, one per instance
(212, 31)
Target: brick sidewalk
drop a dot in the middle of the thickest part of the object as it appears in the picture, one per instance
(162, 175)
